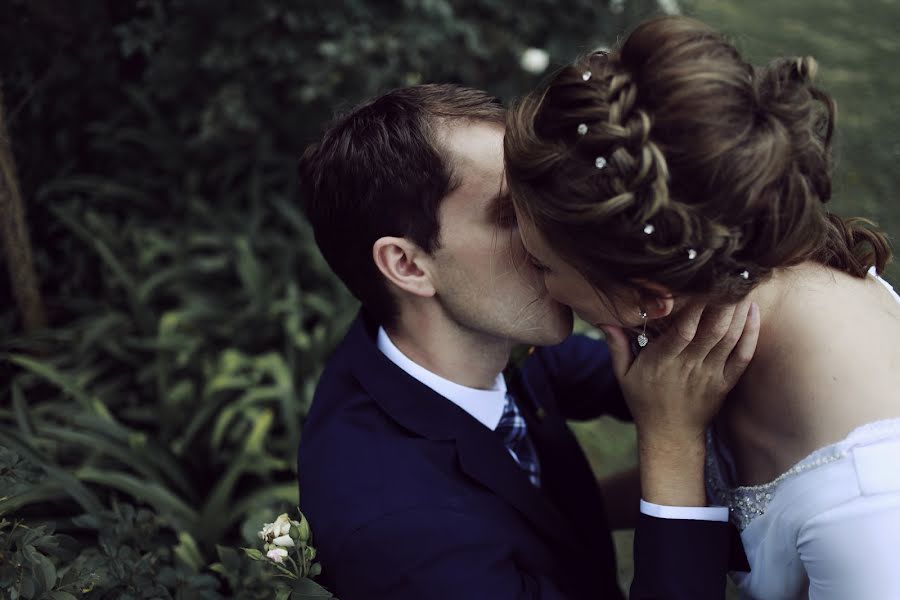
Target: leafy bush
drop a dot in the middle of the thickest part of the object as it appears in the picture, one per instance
(154, 426)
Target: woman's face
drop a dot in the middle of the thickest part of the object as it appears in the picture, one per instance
(568, 286)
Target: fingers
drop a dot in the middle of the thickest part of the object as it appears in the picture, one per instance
(619, 350)
(745, 348)
(714, 326)
(681, 334)
(722, 350)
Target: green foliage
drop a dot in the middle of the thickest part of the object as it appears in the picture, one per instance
(154, 427)
(131, 559)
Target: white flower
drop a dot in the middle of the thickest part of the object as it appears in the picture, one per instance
(280, 528)
(670, 7)
(277, 555)
(616, 6)
(284, 541)
(535, 60)
(266, 532)
(282, 525)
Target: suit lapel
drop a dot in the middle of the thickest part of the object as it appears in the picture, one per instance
(483, 457)
(569, 480)
(481, 452)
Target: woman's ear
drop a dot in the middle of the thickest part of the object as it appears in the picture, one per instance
(404, 264)
(655, 299)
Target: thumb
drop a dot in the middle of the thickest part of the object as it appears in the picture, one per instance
(619, 350)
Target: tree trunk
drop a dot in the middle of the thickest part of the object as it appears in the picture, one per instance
(14, 236)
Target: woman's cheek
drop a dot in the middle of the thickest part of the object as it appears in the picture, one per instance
(558, 291)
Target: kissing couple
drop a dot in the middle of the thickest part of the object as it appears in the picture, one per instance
(673, 196)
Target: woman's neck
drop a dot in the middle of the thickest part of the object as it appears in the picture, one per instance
(823, 367)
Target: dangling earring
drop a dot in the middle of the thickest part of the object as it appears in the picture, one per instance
(642, 339)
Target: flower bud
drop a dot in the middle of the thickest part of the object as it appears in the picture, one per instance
(303, 532)
(277, 555)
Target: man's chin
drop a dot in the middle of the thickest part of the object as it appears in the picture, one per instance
(554, 329)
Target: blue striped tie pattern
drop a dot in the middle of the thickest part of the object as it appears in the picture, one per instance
(515, 437)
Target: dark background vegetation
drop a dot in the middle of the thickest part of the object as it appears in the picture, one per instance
(151, 428)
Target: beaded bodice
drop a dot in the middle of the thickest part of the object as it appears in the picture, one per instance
(747, 502)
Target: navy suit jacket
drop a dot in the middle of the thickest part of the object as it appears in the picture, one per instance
(410, 498)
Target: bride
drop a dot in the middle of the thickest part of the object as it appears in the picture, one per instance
(670, 171)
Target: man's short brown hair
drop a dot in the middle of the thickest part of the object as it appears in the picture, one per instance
(380, 170)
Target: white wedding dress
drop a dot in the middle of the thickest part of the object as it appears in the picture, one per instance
(829, 527)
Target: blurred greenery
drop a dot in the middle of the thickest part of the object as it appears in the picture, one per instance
(856, 44)
(153, 427)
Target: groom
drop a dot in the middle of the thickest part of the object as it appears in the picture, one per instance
(425, 470)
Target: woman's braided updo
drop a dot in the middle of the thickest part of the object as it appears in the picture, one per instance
(726, 166)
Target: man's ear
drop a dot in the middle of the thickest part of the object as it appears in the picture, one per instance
(654, 298)
(404, 264)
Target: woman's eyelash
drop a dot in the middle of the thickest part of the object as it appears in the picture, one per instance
(502, 212)
(506, 219)
(537, 264)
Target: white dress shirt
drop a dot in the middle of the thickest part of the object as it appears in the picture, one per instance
(486, 407)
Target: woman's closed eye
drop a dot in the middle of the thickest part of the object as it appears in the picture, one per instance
(538, 264)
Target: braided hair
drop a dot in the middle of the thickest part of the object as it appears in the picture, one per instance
(674, 160)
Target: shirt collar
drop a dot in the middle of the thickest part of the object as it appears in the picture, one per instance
(486, 406)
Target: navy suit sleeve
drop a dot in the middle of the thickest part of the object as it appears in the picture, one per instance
(433, 553)
(579, 371)
(678, 559)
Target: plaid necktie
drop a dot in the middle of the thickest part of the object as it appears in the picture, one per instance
(515, 436)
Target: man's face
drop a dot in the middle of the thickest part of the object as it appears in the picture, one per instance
(483, 280)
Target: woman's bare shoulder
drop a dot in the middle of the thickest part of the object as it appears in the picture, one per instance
(827, 363)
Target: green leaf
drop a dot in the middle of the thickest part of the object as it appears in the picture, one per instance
(205, 412)
(54, 376)
(188, 552)
(214, 514)
(284, 493)
(282, 592)
(229, 557)
(307, 588)
(20, 408)
(250, 398)
(136, 459)
(95, 186)
(78, 491)
(261, 425)
(139, 310)
(150, 453)
(46, 571)
(249, 270)
(254, 554)
(27, 588)
(41, 492)
(180, 514)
